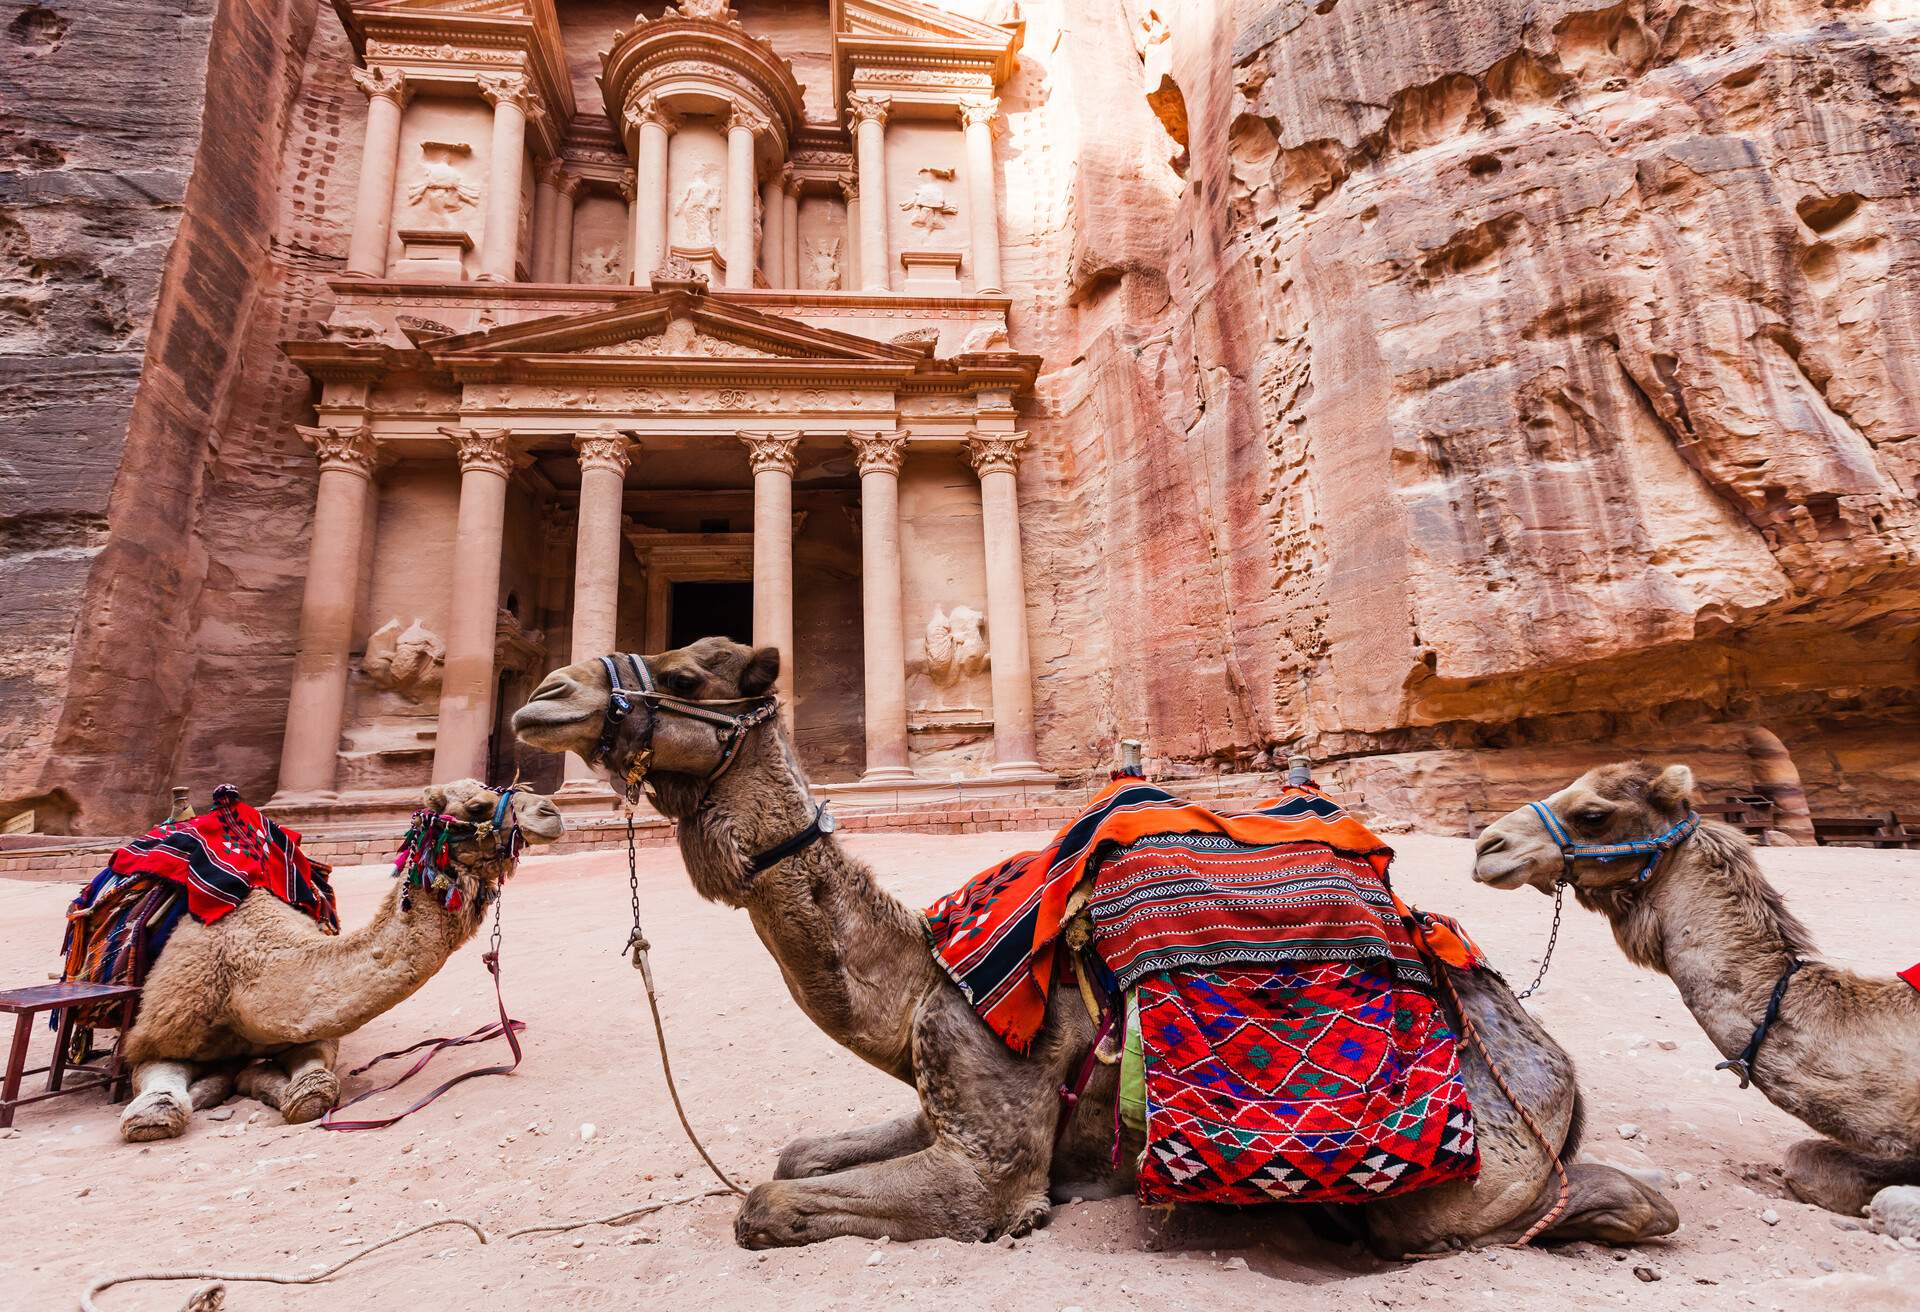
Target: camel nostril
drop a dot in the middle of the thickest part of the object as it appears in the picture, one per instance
(1488, 842)
(548, 691)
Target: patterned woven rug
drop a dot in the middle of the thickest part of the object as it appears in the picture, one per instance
(1330, 1082)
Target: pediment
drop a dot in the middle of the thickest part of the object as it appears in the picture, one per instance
(480, 8)
(913, 21)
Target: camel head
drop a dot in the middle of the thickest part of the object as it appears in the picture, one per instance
(568, 709)
(482, 852)
(1609, 805)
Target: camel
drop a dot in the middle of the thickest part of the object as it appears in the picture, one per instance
(978, 1159)
(258, 1001)
(1843, 1055)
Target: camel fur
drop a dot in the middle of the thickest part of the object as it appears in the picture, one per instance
(258, 1001)
(977, 1159)
(1844, 1055)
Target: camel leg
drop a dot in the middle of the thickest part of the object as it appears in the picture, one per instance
(210, 1089)
(826, 1153)
(1604, 1205)
(298, 1083)
(162, 1102)
(1821, 1172)
(934, 1193)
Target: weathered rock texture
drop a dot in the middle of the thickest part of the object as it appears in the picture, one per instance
(1458, 394)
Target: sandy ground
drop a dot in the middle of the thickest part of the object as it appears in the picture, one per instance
(253, 1194)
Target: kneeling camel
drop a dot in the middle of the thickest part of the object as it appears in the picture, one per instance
(978, 1159)
(1842, 1052)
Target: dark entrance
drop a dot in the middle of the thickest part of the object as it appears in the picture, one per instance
(703, 610)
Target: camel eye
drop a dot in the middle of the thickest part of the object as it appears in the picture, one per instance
(479, 806)
(682, 683)
(1590, 817)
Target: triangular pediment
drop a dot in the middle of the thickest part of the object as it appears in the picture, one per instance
(912, 20)
(483, 8)
(678, 325)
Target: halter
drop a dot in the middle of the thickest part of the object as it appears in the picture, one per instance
(1650, 849)
(425, 858)
(621, 700)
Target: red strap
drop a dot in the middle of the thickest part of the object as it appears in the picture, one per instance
(434, 1047)
(1070, 1093)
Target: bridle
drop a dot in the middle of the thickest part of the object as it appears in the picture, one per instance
(622, 700)
(1648, 850)
(425, 857)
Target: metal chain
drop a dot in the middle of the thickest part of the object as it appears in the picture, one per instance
(1553, 936)
(493, 940)
(635, 937)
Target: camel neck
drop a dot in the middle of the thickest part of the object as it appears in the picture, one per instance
(853, 956)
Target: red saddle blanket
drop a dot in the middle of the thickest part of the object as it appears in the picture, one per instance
(222, 856)
(1332, 1082)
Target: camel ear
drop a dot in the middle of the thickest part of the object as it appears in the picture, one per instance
(763, 667)
(1672, 790)
(435, 799)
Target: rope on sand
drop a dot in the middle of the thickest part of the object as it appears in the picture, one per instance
(630, 1214)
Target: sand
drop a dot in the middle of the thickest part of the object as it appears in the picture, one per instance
(251, 1193)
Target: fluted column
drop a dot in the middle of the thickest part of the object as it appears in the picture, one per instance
(510, 97)
(995, 457)
(869, 113)
(742, 124)
(310, 750)
(387, 92)
(879, 456)
(654, 123)
(773, 231)
(983, 221)
(596, 556)
(546, 209)
(790, 212)
(563, 214)
(773, 456)
(466, 686)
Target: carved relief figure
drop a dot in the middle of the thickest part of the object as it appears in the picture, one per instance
(699, 209)
(440, 186)
(713, 9)
(407, 661)
(599, 265)
(956, 645)
(823, 264)
(928, 204)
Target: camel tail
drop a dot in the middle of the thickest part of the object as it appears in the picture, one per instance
(1576, 1126)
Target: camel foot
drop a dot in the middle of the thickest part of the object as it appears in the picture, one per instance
(1821, 1172)
(156, 1114)
(1608, 1206)
(210, 1090)
(309, 1095)
(1030, 1216)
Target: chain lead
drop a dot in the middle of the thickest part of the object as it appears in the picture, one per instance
(1553, 936)
(636, 938)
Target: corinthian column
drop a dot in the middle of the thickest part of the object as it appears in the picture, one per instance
(773, 456)
(653, 123)
(742, 125)
(466, 687)
(563, 211)
(310, 750)
(596, 556)
(879, 456)
(869, 113)
(995, 457)
(790, 211)
(546, 223)
(773, 232)
(387, 93)
(850, 273)
(983, 222)
(510, 97)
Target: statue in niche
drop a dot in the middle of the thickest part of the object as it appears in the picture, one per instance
(928, 204)
(823, 264)
(956, 645)
(440, 186)
(599, 265)
(699, 209)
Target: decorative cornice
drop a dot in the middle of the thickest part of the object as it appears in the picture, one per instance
(508, 88)
(772, 453)
(978, 113)
(384, 83)
(995, 453)
(879, 453)
(746, 116)
(604, 448)
(867, 107)
(482, 448)
(349, 450)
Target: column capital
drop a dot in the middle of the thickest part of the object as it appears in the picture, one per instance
(746, 116)
(880, 452)
(978, 111)
(605, 447)
(550, 172)
(482, 448)
(350, 450)
(629, 188)
(652, 109)
(789, 181)
(868, 107)
(995, 453)
(568, 184)
(384, 83)
(506, 88)
(775, 453)
(849, 187)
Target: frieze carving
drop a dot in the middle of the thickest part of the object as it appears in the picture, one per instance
(480, 398)
(444, 53)
(928, 203)
(936, 405)
(823, 264)
(345, 327)
(482, 448)
(699, 209)
(824, 159)
(506, 88)
(441, 187)
(923, 77)
(681, 337)
(995, 453)
(604, 448)
(390, 83)
(956, 645)
(349, 450)
(879, 453)
(775, 453)
(867, 107)
(717, 11)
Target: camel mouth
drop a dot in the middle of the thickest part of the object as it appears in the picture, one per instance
(538, 723)
(1500, 874)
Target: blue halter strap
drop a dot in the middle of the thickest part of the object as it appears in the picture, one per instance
(1647, 850)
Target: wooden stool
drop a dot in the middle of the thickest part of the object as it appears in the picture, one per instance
(27, 1003)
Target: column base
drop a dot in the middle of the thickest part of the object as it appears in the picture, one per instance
(491, 277)
(1027, 770)
(313, 797)
(889, 774)
(361, 273)
(593, 787)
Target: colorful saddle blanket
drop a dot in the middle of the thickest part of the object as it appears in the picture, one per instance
(1333, 1082)
(115, 931)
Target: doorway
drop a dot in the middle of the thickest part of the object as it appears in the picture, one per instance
(704, 609)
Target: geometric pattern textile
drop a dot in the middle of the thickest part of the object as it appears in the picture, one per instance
(1326, 1083)
(222, 856)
